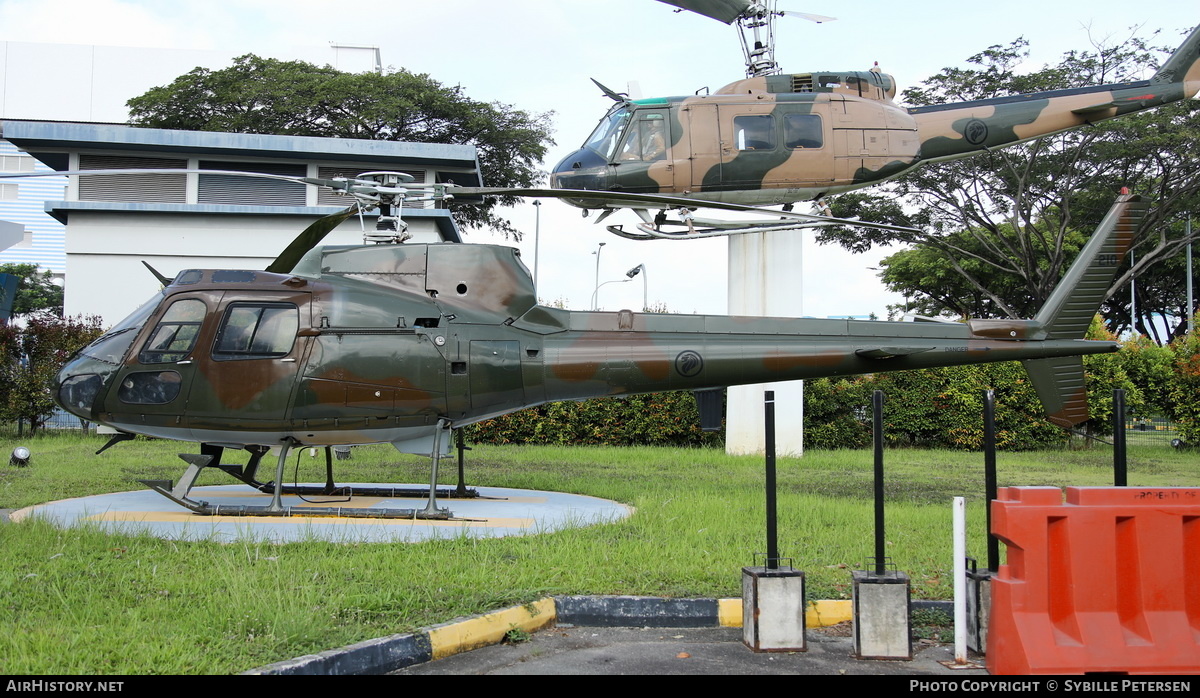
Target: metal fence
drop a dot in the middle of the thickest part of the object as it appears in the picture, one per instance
(1155, 431)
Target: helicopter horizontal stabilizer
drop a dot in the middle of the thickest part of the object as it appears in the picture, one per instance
(1143, 102)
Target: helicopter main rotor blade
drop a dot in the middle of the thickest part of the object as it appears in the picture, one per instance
(309, 238)
(727, 11)
(819, 19)
(162, 170)
(630, 200)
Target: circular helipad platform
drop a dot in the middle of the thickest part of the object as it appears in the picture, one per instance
(497, 512)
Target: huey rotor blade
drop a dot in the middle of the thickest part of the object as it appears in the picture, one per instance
(309, 238)
(726, 11)
(626, 200)
(819, 19)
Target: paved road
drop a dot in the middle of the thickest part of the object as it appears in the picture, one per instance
(675, 651)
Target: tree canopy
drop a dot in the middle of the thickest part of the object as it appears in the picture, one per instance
(269, 96)
(1002, 226)
(37, 290)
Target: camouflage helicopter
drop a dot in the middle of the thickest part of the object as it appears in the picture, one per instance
(401, 343)
(776, 138)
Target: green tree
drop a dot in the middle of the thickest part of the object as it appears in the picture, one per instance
(37, 290)
(265, 95)
(1185, 386)
(1001, 226)
(30, 357)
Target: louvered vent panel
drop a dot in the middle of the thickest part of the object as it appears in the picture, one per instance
(326, 196)
(802, 83)
(251, 191)
(146, 187)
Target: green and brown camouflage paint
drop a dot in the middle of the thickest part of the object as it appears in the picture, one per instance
(390, 339)
(865, 137)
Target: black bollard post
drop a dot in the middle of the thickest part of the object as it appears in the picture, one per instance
(772, 530)
(1119, 464)
(877, 427)
(989, 474)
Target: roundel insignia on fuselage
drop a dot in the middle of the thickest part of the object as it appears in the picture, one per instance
(689, 363)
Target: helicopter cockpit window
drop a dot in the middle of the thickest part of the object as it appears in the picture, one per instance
(608, 133)
(257, 331)
(802, 131)
(755, 132)
(175, 334)
(111, 347)
(646, 140)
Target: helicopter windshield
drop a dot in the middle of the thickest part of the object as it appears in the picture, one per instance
(608, 132)
(111, 347)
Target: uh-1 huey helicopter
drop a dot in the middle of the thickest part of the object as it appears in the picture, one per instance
(776, 138)
(401, 343)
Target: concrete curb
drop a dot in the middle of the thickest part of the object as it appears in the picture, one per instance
(385, 654)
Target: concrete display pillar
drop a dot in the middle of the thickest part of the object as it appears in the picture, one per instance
(765, 281)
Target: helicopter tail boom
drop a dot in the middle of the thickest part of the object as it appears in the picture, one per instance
(625, 352)
(951, 131)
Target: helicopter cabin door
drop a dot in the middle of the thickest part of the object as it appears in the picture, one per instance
(643, 163)
(213, 366)
(705, 143)
(774, 145)
(248, 361)
(496, 380)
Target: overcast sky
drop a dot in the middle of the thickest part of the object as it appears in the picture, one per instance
(537, 55)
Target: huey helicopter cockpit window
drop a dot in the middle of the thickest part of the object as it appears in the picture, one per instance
(257, 331)
(754, 131)
(175, 334)
(608, 133)
(646, 140)
(802, 131)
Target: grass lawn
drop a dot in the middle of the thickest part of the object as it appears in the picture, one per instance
(83, 601)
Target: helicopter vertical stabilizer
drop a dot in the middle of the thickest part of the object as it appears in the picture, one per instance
(1068, 313)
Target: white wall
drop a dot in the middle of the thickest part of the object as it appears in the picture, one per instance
(105, 251)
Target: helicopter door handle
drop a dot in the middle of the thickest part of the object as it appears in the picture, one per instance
(287, 361)
(185, 362)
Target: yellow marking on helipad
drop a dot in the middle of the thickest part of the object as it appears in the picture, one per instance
(359, 500)
(188, 517)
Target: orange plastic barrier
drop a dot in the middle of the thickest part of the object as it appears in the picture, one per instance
(1108, 581)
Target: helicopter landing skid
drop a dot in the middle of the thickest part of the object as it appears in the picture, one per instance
(206, 509)
(348, 491)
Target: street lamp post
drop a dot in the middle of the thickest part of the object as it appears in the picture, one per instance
(537, 239)
(595, 294)
(596, 289)
(641, 269)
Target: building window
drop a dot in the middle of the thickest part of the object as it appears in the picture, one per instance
(9, 192)
(16, 163)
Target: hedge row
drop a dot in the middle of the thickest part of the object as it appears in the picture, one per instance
(936, 408)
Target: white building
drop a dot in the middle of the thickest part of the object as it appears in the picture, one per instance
(183, 221)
